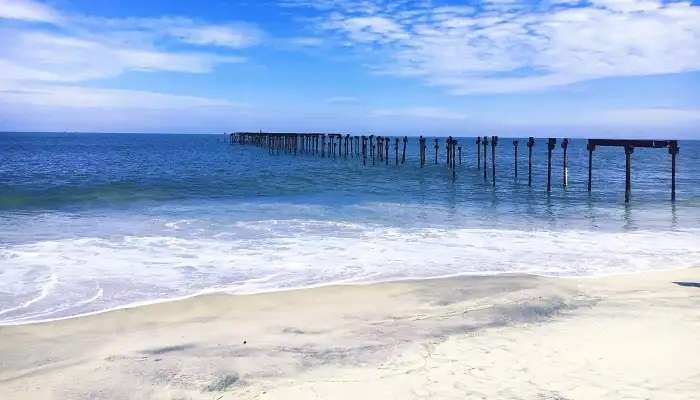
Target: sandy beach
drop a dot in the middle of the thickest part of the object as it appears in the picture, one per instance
(498, 337)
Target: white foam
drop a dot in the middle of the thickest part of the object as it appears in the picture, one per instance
(93, 274)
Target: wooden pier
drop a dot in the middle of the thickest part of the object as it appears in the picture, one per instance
(377, 148)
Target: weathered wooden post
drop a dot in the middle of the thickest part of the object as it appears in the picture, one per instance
(460, 154)
(551, 144)
(485, 142)
(436, 150)
(347, 138)
(530, 145)
(323, 145)
(364, 151)
(515, 158)
(478, 152)
(629, 149)
(421, 151)
(386, 150)
(403, 155)
(565, 146)
(371, 147)
(591, 147)
(673, 149)
(396, 151)
(494, 142)
(448, 150)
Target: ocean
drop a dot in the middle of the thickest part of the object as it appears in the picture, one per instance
(92, 222)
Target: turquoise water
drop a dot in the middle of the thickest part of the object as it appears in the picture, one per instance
(90, 222)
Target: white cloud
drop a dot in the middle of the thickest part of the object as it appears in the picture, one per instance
(44, 64)
(27, 10)
(369, 29)
(83, 98)
(511, 46)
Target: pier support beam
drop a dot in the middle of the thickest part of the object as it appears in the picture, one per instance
(673, 149)
(551, 144)
(386, 150)
(478, 152)
(396, 151)
(494, 142)
(403, 155)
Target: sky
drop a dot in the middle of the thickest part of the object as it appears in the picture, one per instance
(596, 68)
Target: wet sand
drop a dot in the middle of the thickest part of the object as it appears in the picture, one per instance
(498, 337)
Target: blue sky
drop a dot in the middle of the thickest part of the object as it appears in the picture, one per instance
(508, 67)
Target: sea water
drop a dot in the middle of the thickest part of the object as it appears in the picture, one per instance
(91, 222)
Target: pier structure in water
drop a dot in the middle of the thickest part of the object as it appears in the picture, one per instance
(373, 149)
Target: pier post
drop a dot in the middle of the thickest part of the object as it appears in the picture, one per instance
(565, 146)
(494, 142)
(485, 142)
(591, 147)
(530, 145)
(403, 155)
(323, 146)
(386, 150)
(420, 151)
(396, 151)
(478, 152)
(371, 147)
(364, 150)
(515, 158)
(629, 149)
(673, 149)
(551, 144)
(460, 154)
(448, 144)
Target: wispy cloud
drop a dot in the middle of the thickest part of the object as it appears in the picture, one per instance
(49, 54)
(512, 46)
(27, 11)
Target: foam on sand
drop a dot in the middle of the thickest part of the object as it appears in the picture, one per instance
(65, 277)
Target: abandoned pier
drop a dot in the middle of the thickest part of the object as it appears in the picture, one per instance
(371, 150)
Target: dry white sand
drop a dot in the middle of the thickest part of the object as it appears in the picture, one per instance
(504, 337)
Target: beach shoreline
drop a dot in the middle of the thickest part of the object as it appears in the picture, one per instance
(502, 336)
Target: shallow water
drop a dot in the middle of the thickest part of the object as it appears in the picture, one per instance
(95, 221)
